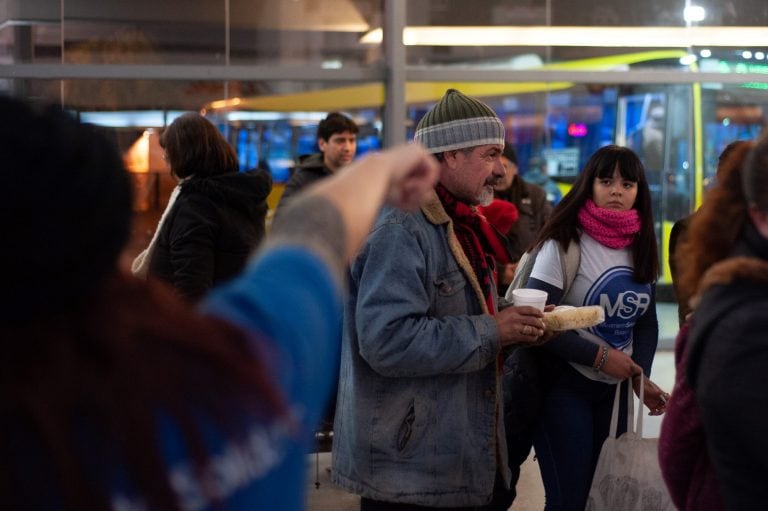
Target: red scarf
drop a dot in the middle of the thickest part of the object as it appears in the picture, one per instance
(612, 228)
(479, 240)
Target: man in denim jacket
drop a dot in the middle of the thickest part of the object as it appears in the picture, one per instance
(418, 418)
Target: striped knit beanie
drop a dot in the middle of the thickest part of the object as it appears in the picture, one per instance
(458, 121)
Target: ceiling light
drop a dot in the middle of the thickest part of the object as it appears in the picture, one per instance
(694, 13)
(246, 115)
(705, 54)
(759, 55)
(620, 37)
(746, 54)
(332, 64)
(687, 60)
(131, 118)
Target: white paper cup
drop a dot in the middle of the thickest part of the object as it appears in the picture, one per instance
(533, 297)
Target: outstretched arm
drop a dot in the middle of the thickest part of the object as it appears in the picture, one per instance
(287, 294)
(334, 216)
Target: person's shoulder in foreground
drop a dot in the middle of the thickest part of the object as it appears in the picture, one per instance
(728, 245)
(157, 405)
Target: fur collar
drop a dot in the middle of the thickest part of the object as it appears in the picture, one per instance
(435, 213)
(433, 209)
(732, 270)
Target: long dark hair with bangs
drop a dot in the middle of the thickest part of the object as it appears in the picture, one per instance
(563, 224)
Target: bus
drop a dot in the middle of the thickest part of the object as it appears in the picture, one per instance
(678, 130)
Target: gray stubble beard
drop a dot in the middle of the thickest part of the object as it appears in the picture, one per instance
(485, 197)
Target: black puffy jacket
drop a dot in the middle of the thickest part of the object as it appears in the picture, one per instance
(214, 225)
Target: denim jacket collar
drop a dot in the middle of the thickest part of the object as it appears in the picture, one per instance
(435, 213)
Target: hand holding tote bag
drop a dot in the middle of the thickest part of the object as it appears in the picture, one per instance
(628, 476)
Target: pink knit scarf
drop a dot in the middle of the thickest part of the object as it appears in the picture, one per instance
(612, 228)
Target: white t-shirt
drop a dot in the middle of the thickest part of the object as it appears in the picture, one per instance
(605, 278)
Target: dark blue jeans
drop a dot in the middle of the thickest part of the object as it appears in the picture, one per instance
(574, 425)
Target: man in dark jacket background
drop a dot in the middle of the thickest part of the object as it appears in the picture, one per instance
(533, 210)
(337, 140)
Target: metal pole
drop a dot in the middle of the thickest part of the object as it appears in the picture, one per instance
(61, 40)
(394, 114)
(227, 28)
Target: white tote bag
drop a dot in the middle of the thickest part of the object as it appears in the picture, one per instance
(628, 476)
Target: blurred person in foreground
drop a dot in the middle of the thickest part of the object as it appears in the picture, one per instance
(685, 461)
(115, 392)
(214, 217)
(532, 207)
(726, 262)
(337, 141)
(418, 419)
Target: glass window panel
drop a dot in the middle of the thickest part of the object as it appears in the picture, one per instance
(305, 32)
(556, 127)
(299, 32)
(609, 28)
(267, 128)
(145, 32)
(25, 41)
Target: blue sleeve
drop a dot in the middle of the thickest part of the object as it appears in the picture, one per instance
(289, 298)
(568, 345)
(645, 336)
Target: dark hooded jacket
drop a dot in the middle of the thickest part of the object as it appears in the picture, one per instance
(214, 225)
(727, 365)
(309, 170)
(533, 210)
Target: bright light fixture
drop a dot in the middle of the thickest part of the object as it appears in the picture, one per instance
(688, 59)
(705, 54)
(746, 54)
(619, 37)
(131, 118)
(332, 64)
(694, 13)
(246, 115)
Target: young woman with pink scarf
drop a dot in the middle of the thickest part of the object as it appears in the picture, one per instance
(608, 213)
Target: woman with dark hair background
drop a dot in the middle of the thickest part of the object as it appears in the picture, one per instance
(724, 262)
(608, 213)
(683, 456)
(216, 216)
(117, 394)
(679, 232)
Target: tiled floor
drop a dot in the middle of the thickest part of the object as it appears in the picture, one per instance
(327, 497)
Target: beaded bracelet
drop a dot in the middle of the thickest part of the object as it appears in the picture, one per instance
(603, 359)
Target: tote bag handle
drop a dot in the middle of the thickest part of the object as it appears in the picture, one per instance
(638, 427)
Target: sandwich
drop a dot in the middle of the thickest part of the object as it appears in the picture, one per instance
(566, 317)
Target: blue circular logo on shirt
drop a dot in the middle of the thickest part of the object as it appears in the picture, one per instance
(623, 299)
